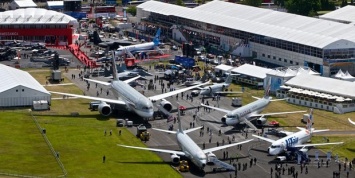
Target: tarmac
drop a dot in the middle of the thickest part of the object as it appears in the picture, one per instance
(255, 149)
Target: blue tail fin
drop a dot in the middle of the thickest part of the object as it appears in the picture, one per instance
(156, 38)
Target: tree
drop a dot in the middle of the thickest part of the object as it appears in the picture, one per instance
(302, 7)
(280, 3)
(326, 5)
(132, 10)
(180, 3)
(344, 3)
(255, 3)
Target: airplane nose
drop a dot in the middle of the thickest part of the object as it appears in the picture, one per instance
(229, 121)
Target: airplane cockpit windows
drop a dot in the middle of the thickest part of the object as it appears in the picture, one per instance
(231, 116)
(275, 146)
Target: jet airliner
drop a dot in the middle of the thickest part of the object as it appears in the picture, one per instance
(218, 88)
(249, 112)
(295, 140)
(188, 147)
(132, 99)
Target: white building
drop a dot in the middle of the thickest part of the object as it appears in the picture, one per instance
(251, 75)
(223, 69)
(279, 38)
(20, 4)
(19, 88)
(343, 15)
(319, 92)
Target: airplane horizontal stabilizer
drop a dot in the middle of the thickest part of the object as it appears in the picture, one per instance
(210, 150)
(155, 150)
(97, 81)
(352, 122)
(316, 131)
(317, 144)
(279, 99)
(191, 130)
(132, 79)
(167, 131)
(265, 139)
(113, 101)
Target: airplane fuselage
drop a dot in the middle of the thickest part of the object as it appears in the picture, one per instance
(191, 150)
(234, 117)
(211, 90)
(138, 47)
(298, 138)
(134, 100)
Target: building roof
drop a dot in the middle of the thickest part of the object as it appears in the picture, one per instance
(25, 3)
(323, 84)
(291, 71)
(224, 67)
(345, 15)
(252, 70)
(55, 3)
(35, 16)
(12, 77)
(280, 25)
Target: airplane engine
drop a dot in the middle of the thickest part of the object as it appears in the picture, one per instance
(175, 159)
(166, 105)
(104, 109)
(210, 157)
(261, 121)
(224, 118)
(304, 150)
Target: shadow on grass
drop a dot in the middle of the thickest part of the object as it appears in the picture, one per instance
(351, 149)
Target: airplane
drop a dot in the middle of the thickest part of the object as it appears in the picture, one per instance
(352, 122)
(139, 47)
(109, 43)
(189, 148)
(132, 99)
(218, 88)
(249, 112)
(295, 140)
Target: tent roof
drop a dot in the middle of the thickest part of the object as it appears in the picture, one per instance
(274, 24)
(224, 67)
(323, 85)
(35, 16)
(251, 70)
(12, 77)
(345, 14)
(55, 3)
(25, 3)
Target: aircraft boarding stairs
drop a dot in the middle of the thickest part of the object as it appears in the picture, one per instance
(221, 164)
(293, 154)
(165, 112)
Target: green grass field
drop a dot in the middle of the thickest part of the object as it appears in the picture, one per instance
(80, 142)
(345, 150)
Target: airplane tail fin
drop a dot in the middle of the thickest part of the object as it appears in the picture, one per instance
(156, 37)
(310, 121)
(179, 120)
(114, 67)
(97, 38)
(267, 89)
(229, 79)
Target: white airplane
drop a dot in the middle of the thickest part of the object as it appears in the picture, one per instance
(218, 88)
(249, 112)
(130, 97)
(139, 47)
(352, 122)
(295, 140)
(188, 147)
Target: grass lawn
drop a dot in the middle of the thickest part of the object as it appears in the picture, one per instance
(23, 149)
(347, 150)
(80, 142)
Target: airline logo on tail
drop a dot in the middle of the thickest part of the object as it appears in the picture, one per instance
(156, 38)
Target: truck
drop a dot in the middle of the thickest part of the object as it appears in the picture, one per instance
(142, 133)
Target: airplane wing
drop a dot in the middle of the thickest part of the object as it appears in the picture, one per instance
(265, 139)
(229, 92)
(165, 95)
(316, 131)
(255, 97)
(155, 150)
(352, 122)
(132, 79)
(167, 131)
(113, 101)
(218, 109)
(210, 150)
(317, 144)
(191, 130)
(251, 125)
(97, 81)
(275, 113)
